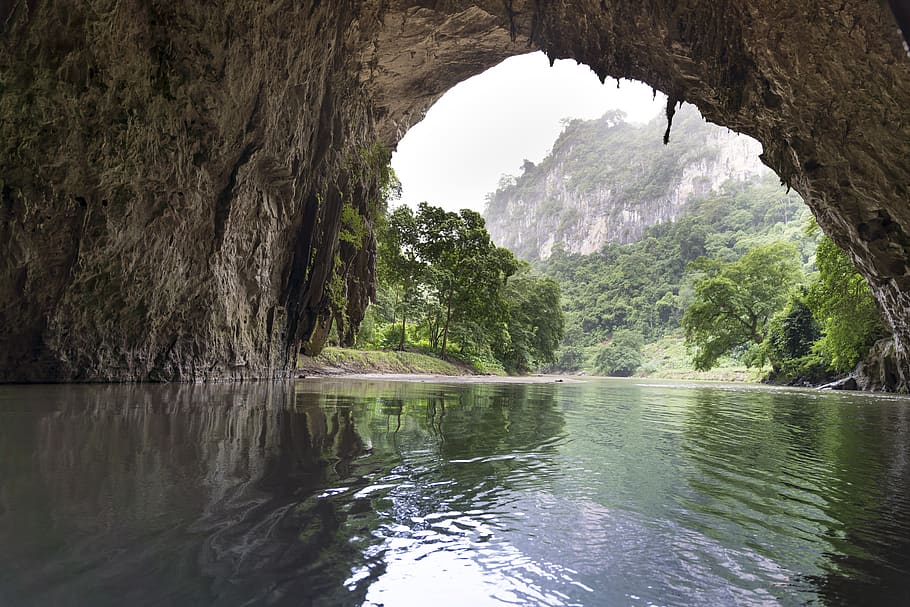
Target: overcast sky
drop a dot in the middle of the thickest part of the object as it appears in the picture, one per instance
(489, 124)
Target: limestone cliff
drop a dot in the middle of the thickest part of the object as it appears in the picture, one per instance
(173, 177)
(606, 181)
(174, 173)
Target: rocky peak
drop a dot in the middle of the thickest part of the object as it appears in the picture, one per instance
(606, 181)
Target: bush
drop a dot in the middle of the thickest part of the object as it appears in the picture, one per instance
(811, 369)
(568, 360)
(792, 333)
(622, 357)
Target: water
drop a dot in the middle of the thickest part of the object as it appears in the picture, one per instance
(342, 492)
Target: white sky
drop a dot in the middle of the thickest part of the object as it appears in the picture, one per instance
(489, 124)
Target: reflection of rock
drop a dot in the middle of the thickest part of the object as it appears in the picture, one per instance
(180, 478)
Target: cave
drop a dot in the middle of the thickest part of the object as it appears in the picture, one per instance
(187, 189)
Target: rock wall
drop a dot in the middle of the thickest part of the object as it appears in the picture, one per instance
(607, 181)
(173, 177)
(174, 173)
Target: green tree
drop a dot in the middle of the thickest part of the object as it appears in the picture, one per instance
(466, 273)
(399, 264)
(622, 356)
(568, 359)
(535, 325)
(792, 332)
(735, 301)
(843, 303)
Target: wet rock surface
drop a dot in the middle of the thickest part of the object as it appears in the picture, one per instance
(173, 175)
(880, 370)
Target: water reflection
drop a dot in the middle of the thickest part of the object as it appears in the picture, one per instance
(816, 483)
(229, 495)
(172, 494)
(381, 493)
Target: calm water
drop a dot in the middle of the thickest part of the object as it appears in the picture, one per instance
(339, 492)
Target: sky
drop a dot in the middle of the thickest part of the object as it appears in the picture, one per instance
(487, 125)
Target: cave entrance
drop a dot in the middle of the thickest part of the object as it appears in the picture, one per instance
(573, 176)
(488, 125)
(822, 90)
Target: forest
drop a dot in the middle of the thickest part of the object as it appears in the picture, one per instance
(744, 278)
(705, 274)
(446, 289)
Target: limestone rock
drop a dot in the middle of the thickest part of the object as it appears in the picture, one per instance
(879, 371)
(607, 181)
(173, 174)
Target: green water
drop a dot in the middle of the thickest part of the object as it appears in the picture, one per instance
(344, 492)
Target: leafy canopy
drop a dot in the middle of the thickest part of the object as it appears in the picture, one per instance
(735, 301)
(843, 303)
(441, 271)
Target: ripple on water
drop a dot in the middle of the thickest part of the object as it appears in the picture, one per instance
(591, 493)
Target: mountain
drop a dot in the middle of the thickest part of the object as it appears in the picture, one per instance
(607, 180)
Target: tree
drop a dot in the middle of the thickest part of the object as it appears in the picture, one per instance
(735, 301)
(792, 332)
(399, 264)
(622, 356)
(843, 303)
(466, 274)
(535, 325)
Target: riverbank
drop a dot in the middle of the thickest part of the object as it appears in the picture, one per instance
(372, 363)
(344, 361)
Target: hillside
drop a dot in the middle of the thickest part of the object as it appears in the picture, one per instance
(607, 180)
(642, 286)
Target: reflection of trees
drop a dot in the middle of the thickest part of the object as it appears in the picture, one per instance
(823, 484)
(173, 478)
(209, 494)
(454, 441)
(871, 561)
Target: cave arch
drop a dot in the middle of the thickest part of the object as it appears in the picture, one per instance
(174, 175)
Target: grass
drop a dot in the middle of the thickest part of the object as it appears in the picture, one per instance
(667, 358)
(343, 360)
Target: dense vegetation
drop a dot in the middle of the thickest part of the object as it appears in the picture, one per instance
(445, 287)
(737, 275)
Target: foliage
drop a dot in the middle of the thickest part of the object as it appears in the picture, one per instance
(792, 332)
(399, 266)
(842, 301)
(735, 301)
(569, 359)
(810, 368)
(441, 271)
(375, 163)
(465, 276)
(622, 356)
(644, 286)
(361, 361)
(353, 227)
(647, 286)
(535, 325)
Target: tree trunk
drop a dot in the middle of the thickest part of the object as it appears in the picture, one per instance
(445, 329)
(401, 342)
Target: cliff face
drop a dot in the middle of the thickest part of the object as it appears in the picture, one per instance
(173, 178)
(174, 173)
(606, 181)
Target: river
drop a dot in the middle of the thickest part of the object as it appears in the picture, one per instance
(377, 492)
